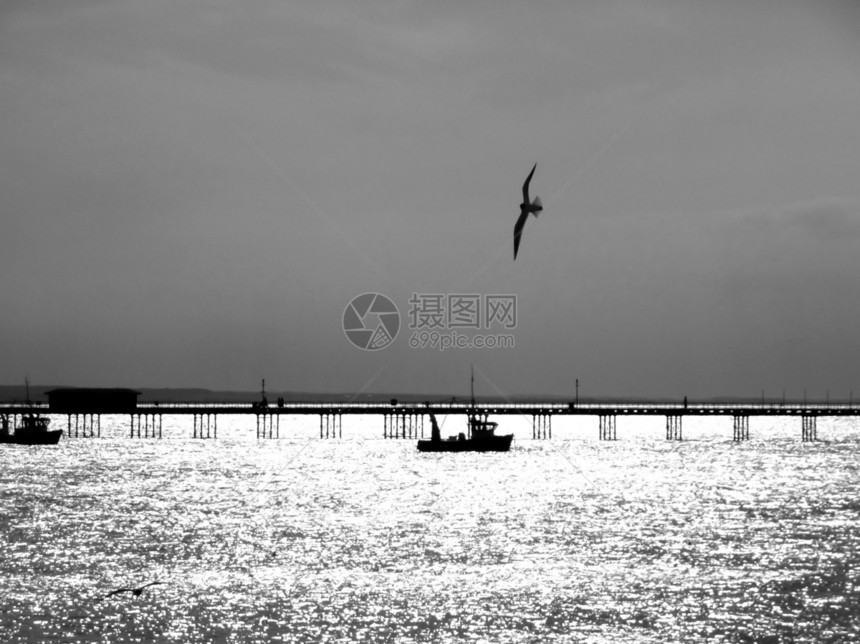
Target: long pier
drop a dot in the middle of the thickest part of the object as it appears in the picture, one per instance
(406, 419)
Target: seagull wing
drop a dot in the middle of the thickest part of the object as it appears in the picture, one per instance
(152, 583)
(518, 228)
(526, 186)
(120, 590)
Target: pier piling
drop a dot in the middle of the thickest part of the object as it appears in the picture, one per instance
(673, 428)
(809, 428)
(541, 425)
(741, 428)
(331, 425)
(606, 427)
(266, 422)
(149, 425)
(206, 428)
(399, 424)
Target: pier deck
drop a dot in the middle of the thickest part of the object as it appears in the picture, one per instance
(406, 419)
(524, 409)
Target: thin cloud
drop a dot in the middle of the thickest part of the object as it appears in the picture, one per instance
(823, 217)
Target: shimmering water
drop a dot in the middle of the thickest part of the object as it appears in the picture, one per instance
(366, 540)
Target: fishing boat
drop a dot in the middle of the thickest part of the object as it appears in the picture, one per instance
(482, 434)
(32, 430)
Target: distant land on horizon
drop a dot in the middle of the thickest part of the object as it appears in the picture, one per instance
(17, 393)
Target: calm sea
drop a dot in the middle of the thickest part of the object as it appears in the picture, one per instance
(365, 540)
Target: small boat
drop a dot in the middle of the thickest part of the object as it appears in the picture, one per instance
(483, 438)
(32, 430)
(482, 435)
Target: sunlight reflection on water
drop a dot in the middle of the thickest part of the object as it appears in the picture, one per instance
(639, 540)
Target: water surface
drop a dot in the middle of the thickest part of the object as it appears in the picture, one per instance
(363, 539)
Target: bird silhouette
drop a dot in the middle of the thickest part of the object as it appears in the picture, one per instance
(135, 591)
(526, 207)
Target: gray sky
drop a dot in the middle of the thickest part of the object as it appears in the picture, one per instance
(193, 191)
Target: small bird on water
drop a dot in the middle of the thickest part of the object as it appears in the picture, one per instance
(526, 207)
(135, 591)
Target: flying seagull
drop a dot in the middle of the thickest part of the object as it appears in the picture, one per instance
(526, 207)
(135, 591)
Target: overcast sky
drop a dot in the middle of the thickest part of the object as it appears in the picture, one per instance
(192, 192)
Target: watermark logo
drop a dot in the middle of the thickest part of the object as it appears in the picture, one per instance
(437, 321)
(452, 320)
(462, 311)
(371, 321)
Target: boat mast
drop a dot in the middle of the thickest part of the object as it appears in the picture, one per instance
(27, 393)
(472, 366)
(472, 409)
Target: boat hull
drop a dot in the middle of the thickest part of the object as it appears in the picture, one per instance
(492, 444)
(41, 438)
